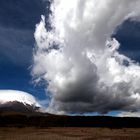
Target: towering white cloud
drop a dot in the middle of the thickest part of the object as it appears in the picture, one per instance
(79, 60)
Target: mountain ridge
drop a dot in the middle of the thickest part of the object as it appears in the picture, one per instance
(18, 107)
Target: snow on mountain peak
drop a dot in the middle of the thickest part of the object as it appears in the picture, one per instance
(19, 96)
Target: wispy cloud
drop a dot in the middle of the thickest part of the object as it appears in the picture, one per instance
(16, 45)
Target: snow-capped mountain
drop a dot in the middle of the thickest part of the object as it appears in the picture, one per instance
(11, 100)
(18, 107)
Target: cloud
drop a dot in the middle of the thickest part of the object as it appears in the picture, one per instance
(17, 23)
(15, 95)
(16, 46)
(129, 114)
(84, 71)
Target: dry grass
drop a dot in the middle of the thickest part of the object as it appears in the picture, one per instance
(69, 133)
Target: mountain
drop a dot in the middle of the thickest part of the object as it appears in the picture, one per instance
(19, 101)
(19, 96)
(18, 114)
(18, 107)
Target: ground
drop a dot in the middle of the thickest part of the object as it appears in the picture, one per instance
(69, 133)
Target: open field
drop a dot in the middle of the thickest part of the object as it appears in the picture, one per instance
(39, 126)
(69, 133)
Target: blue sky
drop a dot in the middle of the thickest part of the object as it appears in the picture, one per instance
(17, 25)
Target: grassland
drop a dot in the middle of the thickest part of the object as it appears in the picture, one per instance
(69, 133)
(39, 126)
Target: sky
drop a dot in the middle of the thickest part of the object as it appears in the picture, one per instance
(18, 21)
(17, 26)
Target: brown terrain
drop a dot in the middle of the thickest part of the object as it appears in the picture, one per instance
(69, 133)
(18, 122)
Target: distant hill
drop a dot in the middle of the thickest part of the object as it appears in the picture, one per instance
(22, 114)
(28, 117)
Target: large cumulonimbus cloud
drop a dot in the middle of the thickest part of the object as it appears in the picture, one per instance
(79, 60)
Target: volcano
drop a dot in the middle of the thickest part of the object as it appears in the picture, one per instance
(18, 101)
(16, 106)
